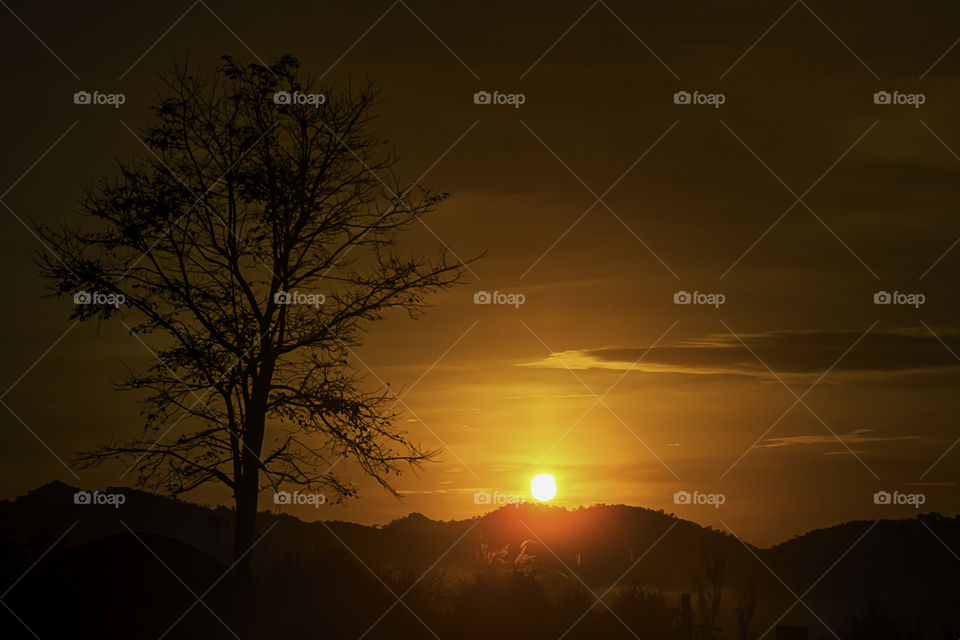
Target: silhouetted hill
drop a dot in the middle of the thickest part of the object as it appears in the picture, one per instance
(139, 583)
(907, 565)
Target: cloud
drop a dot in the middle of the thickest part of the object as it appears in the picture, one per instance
(857, 436)
(798, 353)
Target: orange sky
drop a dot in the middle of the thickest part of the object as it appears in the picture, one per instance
(685, 193)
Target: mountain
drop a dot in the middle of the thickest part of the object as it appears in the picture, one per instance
(154, 549)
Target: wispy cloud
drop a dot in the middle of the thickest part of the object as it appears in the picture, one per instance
(880, 354)
(857, 436)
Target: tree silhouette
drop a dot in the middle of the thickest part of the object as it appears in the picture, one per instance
(255, 242)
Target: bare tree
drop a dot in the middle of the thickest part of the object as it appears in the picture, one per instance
(710, 596)
(255, 242)
(746, 610)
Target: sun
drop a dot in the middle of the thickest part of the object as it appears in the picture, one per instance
(543, 487)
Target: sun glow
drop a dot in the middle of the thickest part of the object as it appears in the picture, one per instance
(543, 487)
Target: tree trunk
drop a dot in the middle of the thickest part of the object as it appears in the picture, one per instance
(247, 493)
(247, 489)
(245, 526)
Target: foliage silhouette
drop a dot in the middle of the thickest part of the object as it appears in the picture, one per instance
(244, 205)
